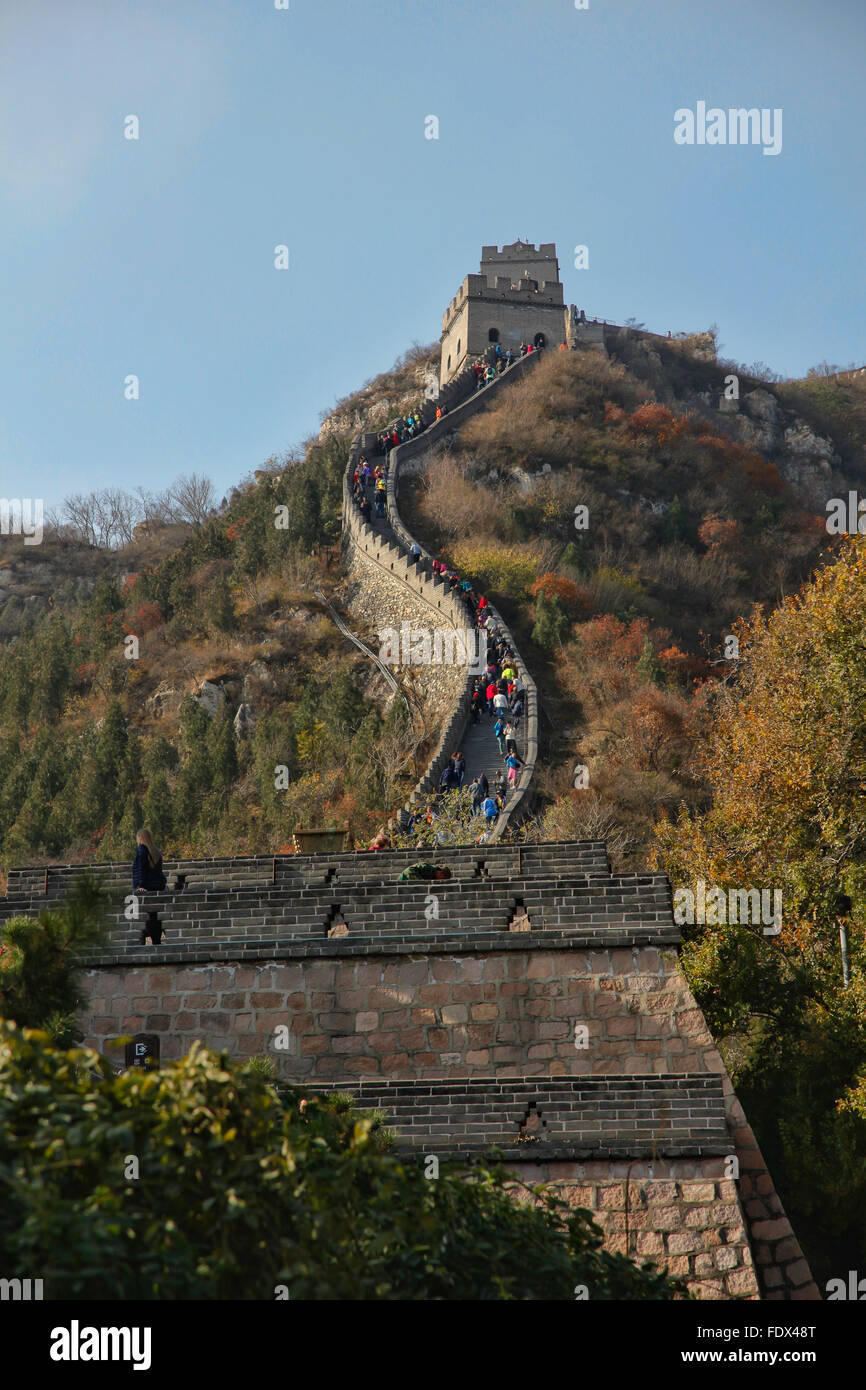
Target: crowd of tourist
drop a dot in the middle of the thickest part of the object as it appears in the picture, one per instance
(498, 691)
(496, 362)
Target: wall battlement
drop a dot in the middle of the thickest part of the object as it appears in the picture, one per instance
(478, 287)
(538, 1012)
(515, 297)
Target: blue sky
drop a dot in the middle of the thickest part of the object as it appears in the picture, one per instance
(305, 127)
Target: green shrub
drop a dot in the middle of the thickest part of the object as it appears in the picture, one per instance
(240, 1190)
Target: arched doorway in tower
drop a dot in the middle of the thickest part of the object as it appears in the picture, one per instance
(493, 335)
(539, 341)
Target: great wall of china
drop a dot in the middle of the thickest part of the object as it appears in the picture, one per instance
(532, 1005)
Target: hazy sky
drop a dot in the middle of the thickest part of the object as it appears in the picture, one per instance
(306, 127)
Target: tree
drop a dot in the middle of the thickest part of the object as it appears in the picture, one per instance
(649, 667)
(675, 526)
(784, 758)
(218, 606)
(157, 810)
(50, 653)
(40, 977)
(551, 623)
(111, 748)
(221, 749)
(242, 1190)
(193, 498)
(105, 518)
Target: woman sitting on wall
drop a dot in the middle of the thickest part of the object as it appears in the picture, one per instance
(147, 875)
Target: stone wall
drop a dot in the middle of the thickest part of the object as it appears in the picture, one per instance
(362, 545)
(381, 600)
(681, 1213)
(517, 315)
(506, 1013)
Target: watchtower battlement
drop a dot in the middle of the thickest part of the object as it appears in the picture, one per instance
(536, 262)
(503, 289)
(515, 297)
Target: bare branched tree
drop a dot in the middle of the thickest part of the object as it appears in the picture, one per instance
(103, 518)
(107, 517)
(194, 498)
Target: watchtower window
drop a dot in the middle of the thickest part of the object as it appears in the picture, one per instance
(493, 335)
(458, 347)
(539, 340)
(449, 361)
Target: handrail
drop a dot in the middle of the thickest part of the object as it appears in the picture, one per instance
(389, 675)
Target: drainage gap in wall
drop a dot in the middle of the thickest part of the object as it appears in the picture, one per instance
(519, 920)
(152, 932)
(336, 924)
(531, 1128)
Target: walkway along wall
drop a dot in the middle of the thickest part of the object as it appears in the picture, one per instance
(421, 584)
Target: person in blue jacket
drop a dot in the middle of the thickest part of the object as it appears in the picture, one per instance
(147, 874)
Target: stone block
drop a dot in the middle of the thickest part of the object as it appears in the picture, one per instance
(698, 1191)
(683, 1243)
(797, 1273)
(727, 1257)
(481, 1013)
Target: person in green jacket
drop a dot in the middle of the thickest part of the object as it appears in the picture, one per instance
(425, 872)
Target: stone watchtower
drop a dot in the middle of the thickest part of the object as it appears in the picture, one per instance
(516, 298)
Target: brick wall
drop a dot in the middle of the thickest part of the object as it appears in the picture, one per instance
(682, 1215)
(354, 1020)
(508, 1012)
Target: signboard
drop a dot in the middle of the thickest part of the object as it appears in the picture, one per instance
(143, 1051)
(316, 841)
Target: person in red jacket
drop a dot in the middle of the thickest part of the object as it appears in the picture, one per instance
(490, 692)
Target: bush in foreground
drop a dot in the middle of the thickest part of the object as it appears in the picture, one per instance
(202, 1181)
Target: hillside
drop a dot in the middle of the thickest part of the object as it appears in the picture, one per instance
(697, 508)
(245, 711)
(695, 514)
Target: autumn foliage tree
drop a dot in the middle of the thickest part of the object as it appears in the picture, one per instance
(784, 757)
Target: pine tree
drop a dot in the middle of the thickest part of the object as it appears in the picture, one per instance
(218, 607)
(49, 667)
(157, 810)
(649, 667)
(222, 750)
(111, 746)
(675, 526)
(551, 623)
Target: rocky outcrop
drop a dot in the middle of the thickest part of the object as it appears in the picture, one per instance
(211, 697)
